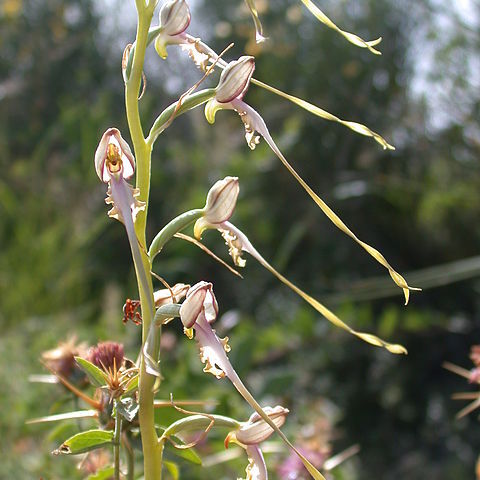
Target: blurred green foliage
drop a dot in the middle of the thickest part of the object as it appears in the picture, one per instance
(65, 267)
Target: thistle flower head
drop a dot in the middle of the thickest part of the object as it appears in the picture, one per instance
(107, 355)
(235, 79)
(113, 157)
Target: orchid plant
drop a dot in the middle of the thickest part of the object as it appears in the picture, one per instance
(125, 397)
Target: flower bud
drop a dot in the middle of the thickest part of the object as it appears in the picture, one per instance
(174, 20)
(235, 79)
(256, 430)
(200, 300)
(113, 156)
(220, 204)
(221, 200)
(174, 17)
(164, 296)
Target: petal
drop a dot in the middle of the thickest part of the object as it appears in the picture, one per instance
(246, 246)
(351, 37)
(256, 468)
(254, 122)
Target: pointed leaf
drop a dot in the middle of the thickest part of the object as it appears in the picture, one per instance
(94, 374)
(84, 442)
(131, 386)
(188, 454)
(173, 469)
(64, 416)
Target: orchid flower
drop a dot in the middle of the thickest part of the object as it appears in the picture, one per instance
(174, 18)
(230, 91)
(251, 434)
(197, 313)
(115, 164)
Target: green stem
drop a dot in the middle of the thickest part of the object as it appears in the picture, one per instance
(130, 457)
(151, 452)
(116, 442)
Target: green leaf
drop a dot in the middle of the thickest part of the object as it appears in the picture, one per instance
(104, 474)
(94, 374)
(188, 454)
(84, 442)
(127, 408)
(131, 386)
(173, 470)
(64, 416)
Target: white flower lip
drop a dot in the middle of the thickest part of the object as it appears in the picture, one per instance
(235, 79)
(221, 200)
(200, 300)
(256, 430)
(112, 139)
(174, 17)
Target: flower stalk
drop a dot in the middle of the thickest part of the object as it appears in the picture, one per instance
(116, 441)
(152, 454)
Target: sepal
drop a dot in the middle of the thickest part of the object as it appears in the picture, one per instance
(211, 109)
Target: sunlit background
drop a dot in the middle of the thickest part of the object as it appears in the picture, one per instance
(65, 267)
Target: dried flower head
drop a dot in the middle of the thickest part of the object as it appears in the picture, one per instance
(61, 359)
